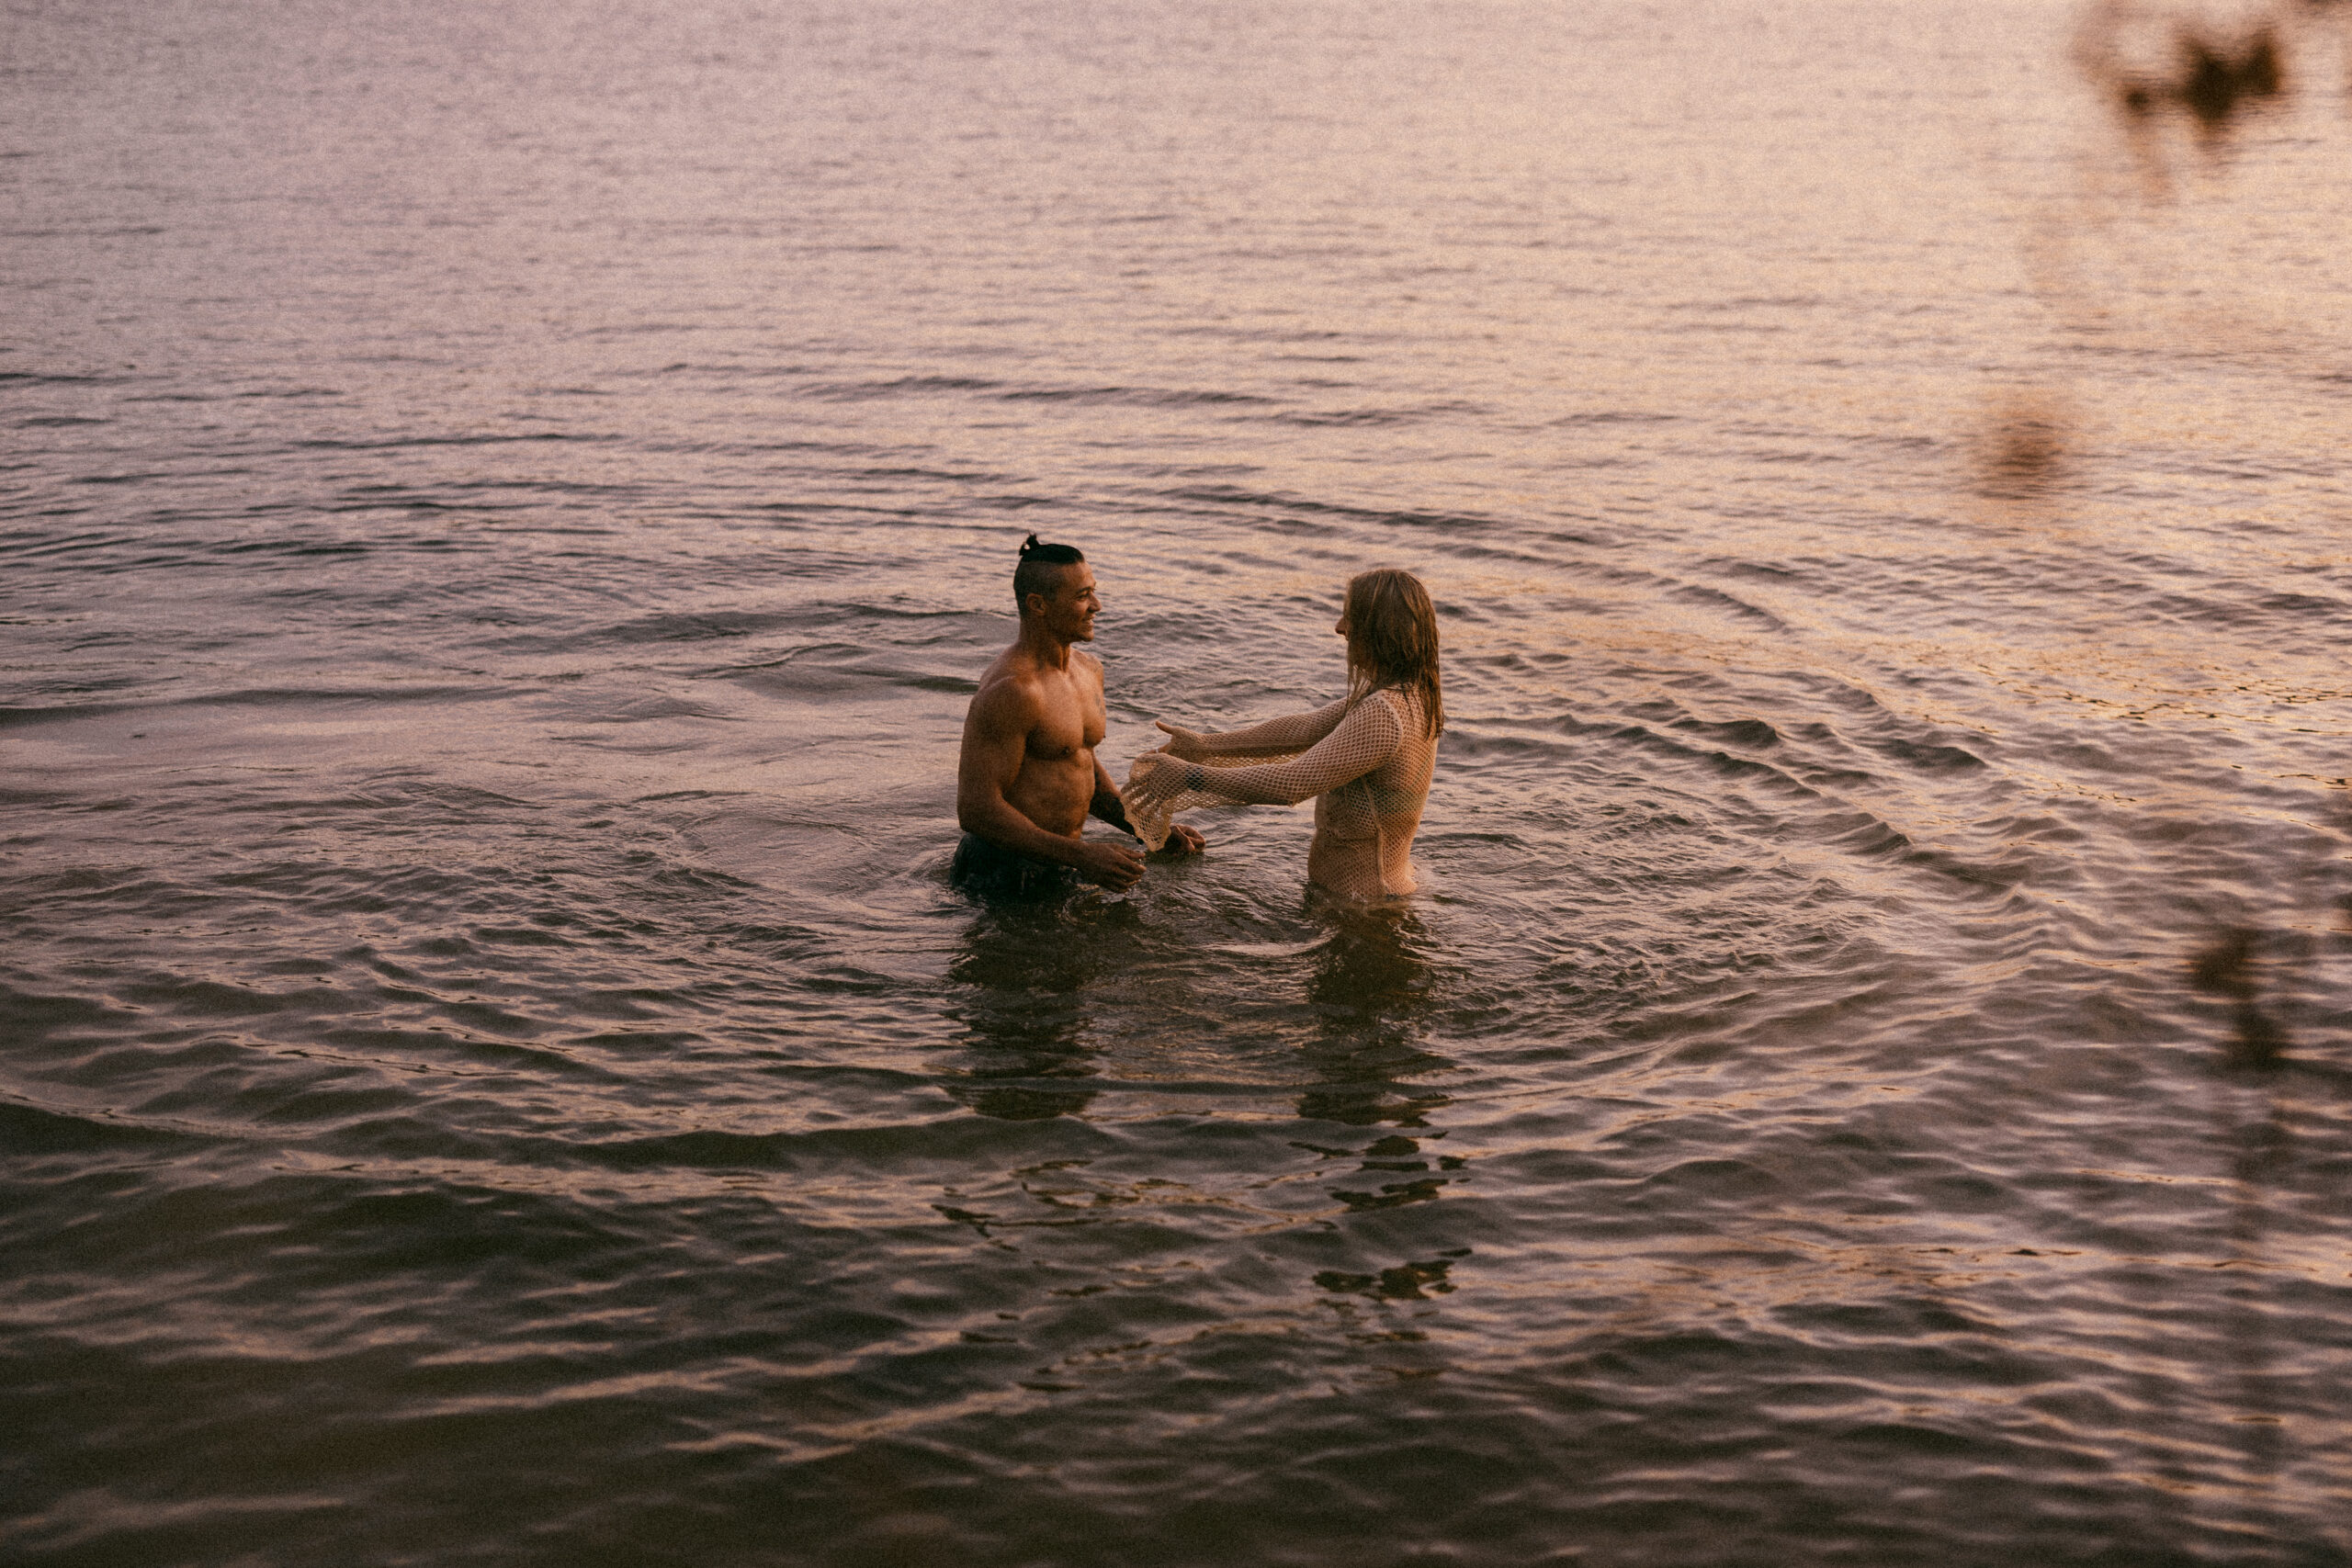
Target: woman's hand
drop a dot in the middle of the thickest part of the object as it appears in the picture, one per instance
(1189, 744)
(1157, 777)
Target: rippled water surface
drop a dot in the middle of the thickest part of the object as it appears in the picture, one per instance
(503, 512)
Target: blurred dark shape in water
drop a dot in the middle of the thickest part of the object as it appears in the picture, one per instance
(2209, 78)
(1402, 1283)
(2023, 450)
(2213, 85)
(2226, 969)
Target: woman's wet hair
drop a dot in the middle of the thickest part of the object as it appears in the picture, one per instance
(1040, 565)
(1392, 639)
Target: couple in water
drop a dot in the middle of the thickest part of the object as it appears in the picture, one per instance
(1029, 778)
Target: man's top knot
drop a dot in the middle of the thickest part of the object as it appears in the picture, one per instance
(1049, 555)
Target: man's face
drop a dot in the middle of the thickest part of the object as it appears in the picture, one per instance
(1070, 614)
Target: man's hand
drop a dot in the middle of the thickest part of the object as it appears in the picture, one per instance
(1184, 841)
(1114, 867)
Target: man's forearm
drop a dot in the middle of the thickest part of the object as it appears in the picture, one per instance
(1001, 822)
(1107, 806)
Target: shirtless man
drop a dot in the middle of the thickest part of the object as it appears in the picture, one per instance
(1028, 778)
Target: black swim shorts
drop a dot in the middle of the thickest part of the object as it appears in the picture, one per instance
(984, 867)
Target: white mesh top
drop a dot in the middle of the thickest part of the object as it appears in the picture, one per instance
(1368, 767)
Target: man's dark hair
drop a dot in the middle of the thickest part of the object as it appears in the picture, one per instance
(1039, 566)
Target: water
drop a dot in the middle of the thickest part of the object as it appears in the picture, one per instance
(503, 514)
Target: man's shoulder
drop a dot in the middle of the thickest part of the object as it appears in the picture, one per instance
(1010, 684)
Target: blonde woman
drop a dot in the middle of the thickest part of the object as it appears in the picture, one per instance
(1366, 759)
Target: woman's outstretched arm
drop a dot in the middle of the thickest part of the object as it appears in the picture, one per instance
(1283, 736)
(1362, 739)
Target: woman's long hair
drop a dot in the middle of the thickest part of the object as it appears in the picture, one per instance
(1392, 639)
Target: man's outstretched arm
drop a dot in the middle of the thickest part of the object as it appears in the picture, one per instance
(996, 737)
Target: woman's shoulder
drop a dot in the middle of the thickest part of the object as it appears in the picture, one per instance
(1409, 705)
(1401, 707)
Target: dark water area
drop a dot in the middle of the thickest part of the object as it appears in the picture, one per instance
(501, 513)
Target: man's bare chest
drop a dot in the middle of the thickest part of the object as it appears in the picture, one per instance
(1073, 723)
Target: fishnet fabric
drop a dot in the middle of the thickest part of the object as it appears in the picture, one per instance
(1367, 767)
(1154, 799)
